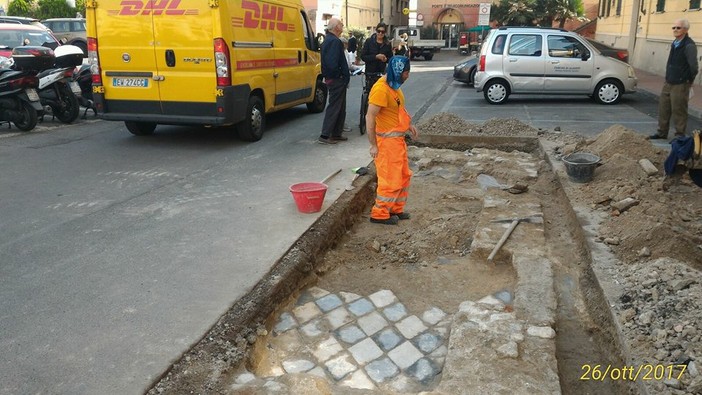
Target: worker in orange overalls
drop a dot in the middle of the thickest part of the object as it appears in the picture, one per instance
(387, 123)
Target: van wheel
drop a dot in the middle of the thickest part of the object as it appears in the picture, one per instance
(609, 92)
(251, 128)
(429, 57)
(320, 98)
(496, 92)
(140, 128)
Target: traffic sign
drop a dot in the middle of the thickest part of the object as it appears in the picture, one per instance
(484, 14)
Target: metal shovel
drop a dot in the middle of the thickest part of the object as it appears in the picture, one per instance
(359, 171)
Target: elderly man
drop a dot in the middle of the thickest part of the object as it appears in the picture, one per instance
(335, 71)
(680, 73)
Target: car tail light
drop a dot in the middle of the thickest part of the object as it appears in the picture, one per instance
(222, 64)
(93, 60)
(481, 64)
(623, 55)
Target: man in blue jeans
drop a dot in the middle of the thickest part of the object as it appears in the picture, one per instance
(335, 71)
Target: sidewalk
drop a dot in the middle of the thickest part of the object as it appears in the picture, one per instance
(653, 83)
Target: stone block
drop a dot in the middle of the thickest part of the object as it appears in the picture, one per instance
(365, 351)
(381, 370)
(361, 307)
(395, 312)
(329, 302)
(405, 355)
(411, 326)
(387, 339)
(372, 323)
(383, 298)
(338, 318)
(433, 316)
(306, 312)
(350, 334)
(340, 366)
(327, 349)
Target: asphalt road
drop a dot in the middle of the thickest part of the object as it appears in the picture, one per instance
(117, 252)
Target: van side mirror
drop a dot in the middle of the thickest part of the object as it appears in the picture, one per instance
(585, 56)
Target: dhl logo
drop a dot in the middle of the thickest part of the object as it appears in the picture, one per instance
(151, 7)
(265, 17)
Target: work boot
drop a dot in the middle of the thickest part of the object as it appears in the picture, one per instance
(393, 220)
(404, 215)
(338, 138)
(657, 136)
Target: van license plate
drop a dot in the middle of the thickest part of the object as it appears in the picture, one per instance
(32, 94)
(130, 82)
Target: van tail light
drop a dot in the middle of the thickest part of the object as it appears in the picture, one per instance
(93, 60)
(222, 62)
(481, 64)
(623, 55)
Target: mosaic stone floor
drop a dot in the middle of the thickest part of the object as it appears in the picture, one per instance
(361, 342)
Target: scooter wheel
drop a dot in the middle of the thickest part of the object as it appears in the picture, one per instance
(28, 117)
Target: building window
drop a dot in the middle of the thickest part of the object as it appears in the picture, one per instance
(602, 7)
(619, 7)
(660, 6)
(694, 4)
(609, 7)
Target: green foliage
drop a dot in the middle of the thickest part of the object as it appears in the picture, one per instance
(357, 32)
(80, 7)
(20, 8)
(54, 9)
(536, 12)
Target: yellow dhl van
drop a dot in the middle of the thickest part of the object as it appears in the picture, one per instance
(202, 62)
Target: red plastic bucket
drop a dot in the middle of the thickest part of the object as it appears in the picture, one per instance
(309, 196)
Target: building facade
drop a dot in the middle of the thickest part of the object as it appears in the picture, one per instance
(644, 27)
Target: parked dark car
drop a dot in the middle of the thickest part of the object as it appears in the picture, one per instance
(465, 71)
(608, 50)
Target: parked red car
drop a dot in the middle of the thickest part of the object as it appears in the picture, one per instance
(14, 35)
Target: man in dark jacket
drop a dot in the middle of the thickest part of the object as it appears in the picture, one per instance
(335, 71)
(680, 73)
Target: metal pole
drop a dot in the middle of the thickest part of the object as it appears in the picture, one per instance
(633, 28)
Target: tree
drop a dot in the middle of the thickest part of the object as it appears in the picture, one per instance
(568, 9)
(515, 13)
(55, 9)
(20, 7)
(80, 7)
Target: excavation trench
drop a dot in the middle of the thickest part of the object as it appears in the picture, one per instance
(355, 306)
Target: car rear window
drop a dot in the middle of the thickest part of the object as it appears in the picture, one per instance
(15, 38)
(498, 47)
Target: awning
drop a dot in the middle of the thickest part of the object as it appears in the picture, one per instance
(480, 28)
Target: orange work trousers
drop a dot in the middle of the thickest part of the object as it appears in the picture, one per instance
(392, 167)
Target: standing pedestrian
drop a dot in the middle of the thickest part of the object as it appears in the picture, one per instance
(377, 50)
(353, 44)
(335, 71)
(387, 123)
(680, 72)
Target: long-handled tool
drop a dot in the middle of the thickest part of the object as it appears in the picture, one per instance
(357, 172)
(329, 177)
(534, 218)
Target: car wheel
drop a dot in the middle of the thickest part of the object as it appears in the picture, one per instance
(140, 128)
(320, 98)
(609, 92)
(429, 57)
(496, 92)
(471, 75)
(251, 128)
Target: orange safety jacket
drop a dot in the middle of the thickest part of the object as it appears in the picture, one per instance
(391, 163)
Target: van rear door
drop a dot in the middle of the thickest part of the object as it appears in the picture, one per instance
(156, 51)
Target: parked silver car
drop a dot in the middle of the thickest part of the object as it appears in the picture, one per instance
(551, 61)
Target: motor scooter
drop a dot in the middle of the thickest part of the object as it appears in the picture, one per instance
(57, 90)
(19, 100)
(84, 78)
